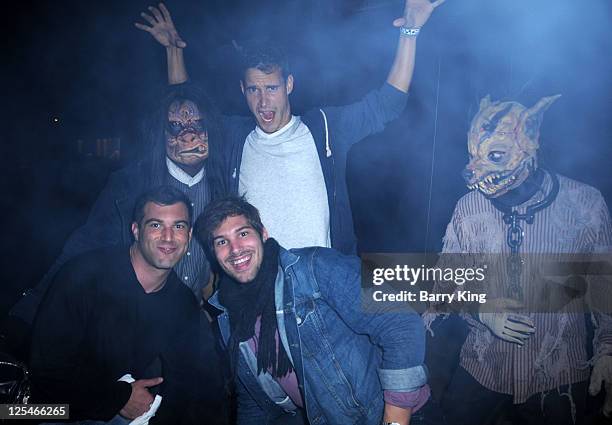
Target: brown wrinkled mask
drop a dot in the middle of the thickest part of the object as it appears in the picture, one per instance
(186, 134)
(502, 143)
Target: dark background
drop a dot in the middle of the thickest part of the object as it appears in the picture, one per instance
(76, 70)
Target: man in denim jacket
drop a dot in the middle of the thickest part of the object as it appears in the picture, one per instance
(300, 344)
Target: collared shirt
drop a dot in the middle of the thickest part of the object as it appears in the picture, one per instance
(193, 269)
(576, 222)
(178, 173)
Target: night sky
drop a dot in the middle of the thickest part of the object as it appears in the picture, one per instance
(86, 65)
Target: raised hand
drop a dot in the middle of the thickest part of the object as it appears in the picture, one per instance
(161, 27)
(416, 13)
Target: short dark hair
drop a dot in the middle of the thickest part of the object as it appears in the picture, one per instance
(217, 211)
(161, 195)
(265, 57)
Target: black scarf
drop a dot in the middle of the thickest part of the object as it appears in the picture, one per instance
(245, 302)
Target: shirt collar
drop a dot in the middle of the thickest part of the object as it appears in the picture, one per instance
(178, 173)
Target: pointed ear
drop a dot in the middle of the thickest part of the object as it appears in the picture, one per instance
(535, 115)
(135, 230)
(485, 102)
(289, 84)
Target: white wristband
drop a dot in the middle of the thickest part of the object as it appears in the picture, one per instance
(409, 32)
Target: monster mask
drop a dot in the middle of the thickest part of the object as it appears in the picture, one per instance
(503, 142)
(186, 136)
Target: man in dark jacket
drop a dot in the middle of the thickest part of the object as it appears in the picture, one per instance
(123, 311)
(293, 169)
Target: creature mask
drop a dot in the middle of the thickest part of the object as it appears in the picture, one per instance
(186, 135)
(503, 142)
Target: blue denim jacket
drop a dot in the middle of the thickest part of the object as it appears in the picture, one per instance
(343, 357)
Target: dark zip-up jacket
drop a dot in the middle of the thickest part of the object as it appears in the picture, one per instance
(334, 130)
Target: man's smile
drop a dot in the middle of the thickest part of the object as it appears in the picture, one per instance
(240, 262)
(166, 250)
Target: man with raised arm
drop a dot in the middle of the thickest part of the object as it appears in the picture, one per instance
(293, 168)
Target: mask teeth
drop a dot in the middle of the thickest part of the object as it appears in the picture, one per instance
(488, 186)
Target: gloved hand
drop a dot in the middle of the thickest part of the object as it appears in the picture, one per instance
(602, 373)
(504, 324)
